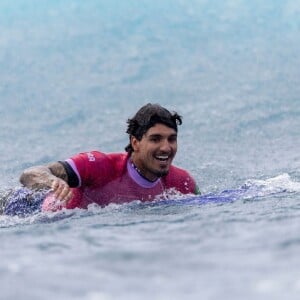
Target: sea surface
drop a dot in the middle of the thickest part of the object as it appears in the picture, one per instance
(72, 72)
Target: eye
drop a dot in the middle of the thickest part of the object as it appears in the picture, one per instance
(172, 139)
(155, 139)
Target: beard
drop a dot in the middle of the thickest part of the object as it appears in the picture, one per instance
(161, 173)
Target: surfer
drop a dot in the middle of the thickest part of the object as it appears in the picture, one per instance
(144, 172)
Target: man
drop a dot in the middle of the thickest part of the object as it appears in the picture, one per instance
(145, 172)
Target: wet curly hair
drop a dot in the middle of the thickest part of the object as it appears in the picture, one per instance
(146, 117)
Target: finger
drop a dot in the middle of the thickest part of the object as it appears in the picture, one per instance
(60, 189)
(69, 196)
(65, 194)
(55, 185)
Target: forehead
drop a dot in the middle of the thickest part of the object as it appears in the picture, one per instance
(160, 129)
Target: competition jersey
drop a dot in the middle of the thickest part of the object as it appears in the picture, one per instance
(101, 178)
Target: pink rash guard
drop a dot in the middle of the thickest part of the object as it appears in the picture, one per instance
(112, 178)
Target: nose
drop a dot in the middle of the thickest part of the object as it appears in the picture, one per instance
(165, 146)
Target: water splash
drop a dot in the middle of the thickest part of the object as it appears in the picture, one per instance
(252, 189)
(280, 183)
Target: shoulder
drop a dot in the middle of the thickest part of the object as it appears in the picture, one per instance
(95, 167)
(181, 179)
(176, 171)
(97, 156)
(96, 160)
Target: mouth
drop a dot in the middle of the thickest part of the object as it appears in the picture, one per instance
(162, 158)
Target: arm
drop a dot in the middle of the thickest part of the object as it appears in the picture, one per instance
(53, 176)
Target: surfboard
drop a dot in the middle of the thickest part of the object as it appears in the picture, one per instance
(24, 201)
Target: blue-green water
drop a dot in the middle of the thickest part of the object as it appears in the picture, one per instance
(72, 72)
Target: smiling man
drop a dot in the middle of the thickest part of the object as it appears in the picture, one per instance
(144, 172)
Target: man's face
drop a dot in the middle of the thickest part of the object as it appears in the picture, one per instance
(154, 153)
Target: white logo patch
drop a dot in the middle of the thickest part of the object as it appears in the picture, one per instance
(91, 156)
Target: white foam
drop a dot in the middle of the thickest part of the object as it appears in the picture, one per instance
(280, 183)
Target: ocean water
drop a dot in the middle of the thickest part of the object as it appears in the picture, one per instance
(72, 72)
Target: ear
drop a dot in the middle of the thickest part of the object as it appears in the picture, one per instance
(135, 143)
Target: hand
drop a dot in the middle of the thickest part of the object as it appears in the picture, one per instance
(61, 190)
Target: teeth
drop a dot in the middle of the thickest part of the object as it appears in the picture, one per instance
(162, 157)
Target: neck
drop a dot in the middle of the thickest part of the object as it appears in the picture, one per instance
(135, 165)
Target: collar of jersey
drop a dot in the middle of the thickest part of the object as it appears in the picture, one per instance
(137, 178)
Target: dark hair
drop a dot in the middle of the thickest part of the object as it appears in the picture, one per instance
(146, 117)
